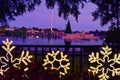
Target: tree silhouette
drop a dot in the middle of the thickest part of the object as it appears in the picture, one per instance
(108, 11)
(9, 9)
(67, 7)
(112, 36)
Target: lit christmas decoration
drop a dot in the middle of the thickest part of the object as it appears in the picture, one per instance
(60, 63)
(8, 60)
(1, 71)
(105, 65)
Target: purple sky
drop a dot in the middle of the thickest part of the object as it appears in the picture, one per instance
(40, 17)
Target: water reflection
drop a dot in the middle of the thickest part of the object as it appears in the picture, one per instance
(49, 41)
(67, 43)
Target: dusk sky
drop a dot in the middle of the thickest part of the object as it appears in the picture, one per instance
(40, 18)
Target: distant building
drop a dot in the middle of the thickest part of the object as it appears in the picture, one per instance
(32, 31)
(9, 29)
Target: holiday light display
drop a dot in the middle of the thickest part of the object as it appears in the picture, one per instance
(56, 63)
(105, 65)
(8, 61)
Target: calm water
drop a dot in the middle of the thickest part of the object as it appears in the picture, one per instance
(46, 41)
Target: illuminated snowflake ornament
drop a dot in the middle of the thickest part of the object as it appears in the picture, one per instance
(57, 61)
(8, 60)
(105, 65)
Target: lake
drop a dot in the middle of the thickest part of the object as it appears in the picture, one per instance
(46, 41)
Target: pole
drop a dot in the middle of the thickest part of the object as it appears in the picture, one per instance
(51, 20)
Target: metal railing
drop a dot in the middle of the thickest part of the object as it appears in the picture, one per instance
(73, 51)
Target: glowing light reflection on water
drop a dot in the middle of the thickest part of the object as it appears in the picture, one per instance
(46, 41)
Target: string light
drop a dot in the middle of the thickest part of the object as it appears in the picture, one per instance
(8, 60)
(53, 55)
(105, 65)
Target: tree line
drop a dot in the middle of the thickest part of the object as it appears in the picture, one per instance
(107, 11)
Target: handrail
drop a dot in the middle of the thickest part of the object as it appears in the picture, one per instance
(72, 50)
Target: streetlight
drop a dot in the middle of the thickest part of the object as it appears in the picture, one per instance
(37, 39)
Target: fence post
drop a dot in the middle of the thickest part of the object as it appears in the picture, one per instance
(42, 53)
(81, 59)
(73, 58)
(35, 53)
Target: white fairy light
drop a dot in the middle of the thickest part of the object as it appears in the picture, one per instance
(105, 65)
(8, 60)
(62, 58)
